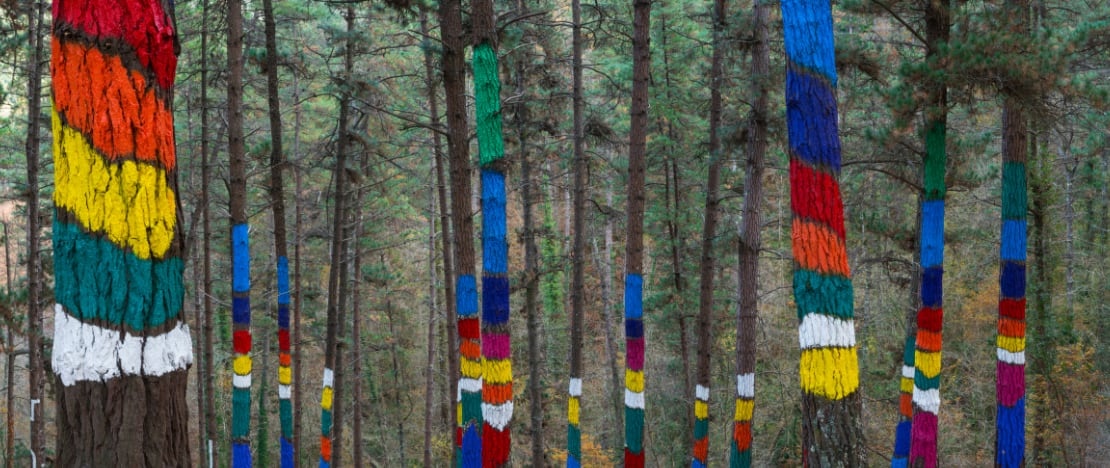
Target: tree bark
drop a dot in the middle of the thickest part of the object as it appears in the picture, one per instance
(751, 242)
(122, 377)
(829, 367)
(208, 370)
(9, 419)
(578, 246)
(634, 255)
(35, 331)
(298, 296)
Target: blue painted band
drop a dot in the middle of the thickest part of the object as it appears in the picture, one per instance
(495, 300)
(283, 280)
(633, 296)
(811, 120)
(902, 438)
(241, 310)
(286, 454)
(1014, 240)
(1010, 448)
(573, 462)
(694, 463)
(808, 34)
(494, 246)
(95, 280)
(899, 462)
(472, 447)
(323, 464)
(1012, 280)
(633, 328)
(240, 455)
(466, 292)
(240, 258)
(932, 233)
(283, 316)
(932, 287)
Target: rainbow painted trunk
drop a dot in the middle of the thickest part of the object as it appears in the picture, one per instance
(634, 371)
(497, 370)
(117, 258)
(469, 407)
(926, 359)
(902, 432)
(241, 342)
(701, 427)
(327, 395)
(740, 455)
(1010, 421)
(574, 434)
(829, 367)
(285, 370)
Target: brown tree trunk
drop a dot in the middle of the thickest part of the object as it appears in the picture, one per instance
(298, 296)
(208, 370)
(121, 405)
(35, 331)
(578, 246)
(9, 435)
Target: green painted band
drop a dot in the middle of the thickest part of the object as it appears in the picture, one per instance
(822, 294)
(487, 105)
(1014, 197)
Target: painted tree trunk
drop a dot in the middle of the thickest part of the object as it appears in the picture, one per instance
(750, 244)
(121, 351)
(578, 249)
(829, 367)
(1010, 421)
(634, 259)
(497, 371)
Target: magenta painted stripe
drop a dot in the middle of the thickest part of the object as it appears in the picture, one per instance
(1011, 383)
(924, 428)
(635, 354)
(496, 346)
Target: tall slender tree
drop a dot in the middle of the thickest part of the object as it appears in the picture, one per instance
(208, 366)
(706, 267)
(634, 256)
(740, 455)
(281, 248)
(36, 375)
(497, 371)
(829, 367)
(578, 247)
(926, 359)
(121, 351)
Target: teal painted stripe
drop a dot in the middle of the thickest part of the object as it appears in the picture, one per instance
(95, 280)
(822, 294)
(634, 429)
(240, 410)
(487, 105)
(1014, 199)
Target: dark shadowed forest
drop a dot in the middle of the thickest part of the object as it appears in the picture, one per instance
(539, 233)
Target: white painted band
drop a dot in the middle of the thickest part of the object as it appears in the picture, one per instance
(745, 385)
(907, 371)
(575, 387)
(241, 381)
(284, 392)
(928, 400)
(1010, 357)
(329, 378)
(497, 416)
(469, 385)
(86, 352)
(633, 399)
(702, 393)
(822, 331)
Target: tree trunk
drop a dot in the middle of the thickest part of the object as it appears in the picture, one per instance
(633, 281)
(35, 331)
(468, 436)
(298, 297)
(928, 341)
(605, 266)
(356, 334)
(578, 248)
(208, 370)
(328, 397)
(751, 242)
(122, 377)
(9, 415)
(707, 264)
(281, 249)
(829, 367)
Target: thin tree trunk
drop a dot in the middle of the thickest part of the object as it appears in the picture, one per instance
(605, 266)
(277, 204)
(468, 437)
(356, 332)
(114, 407)
(751, 241)
(328, 398)
(578, 248)
(208, 370)
(829, 367)
(634, 256)
(37, 379)
(433, 285)
(707, 264)
(9, 442)
(298, 296)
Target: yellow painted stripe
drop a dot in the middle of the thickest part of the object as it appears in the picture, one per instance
(242, 365)
(497, 371)
(458, 414)
(744, 409)
(926, 362)
(285, 375)
(701, 409)
(470, 368)
(906, 386)
(325, 398)
(832, 373)
(572, 410)
(1011, 344)
(634, 380)
(129, 202)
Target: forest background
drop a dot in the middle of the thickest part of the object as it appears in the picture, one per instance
(1061, 71)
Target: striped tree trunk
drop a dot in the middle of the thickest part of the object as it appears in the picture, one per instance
(829, 367)
(1010, 421)
(121, 351)
(578, 250)
(497, 371)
